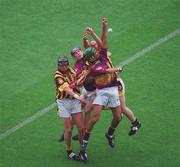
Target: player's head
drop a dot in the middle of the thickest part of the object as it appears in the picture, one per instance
(91, 55)
(63, 63)
(93, 44)
(77, 53)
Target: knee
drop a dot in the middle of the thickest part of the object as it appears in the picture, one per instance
(68, 131)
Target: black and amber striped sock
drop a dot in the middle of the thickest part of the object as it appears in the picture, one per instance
(68, 149)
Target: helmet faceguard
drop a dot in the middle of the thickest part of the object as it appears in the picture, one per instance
(74, 50)
(62, 60)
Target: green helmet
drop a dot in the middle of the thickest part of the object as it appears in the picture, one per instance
(89, 53)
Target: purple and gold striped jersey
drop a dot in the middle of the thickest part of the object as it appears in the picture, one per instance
(79, 66)
(120, 87)
(88, 84)
(63, 80)
(103, 79)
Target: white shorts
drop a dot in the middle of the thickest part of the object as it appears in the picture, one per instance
(67, 107)
(107, 97)
(88, 95)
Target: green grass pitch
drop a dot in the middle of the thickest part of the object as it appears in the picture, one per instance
(33, 33)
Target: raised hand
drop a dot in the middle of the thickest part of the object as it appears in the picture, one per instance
(89, 30)
(104, 22)
(84, 36)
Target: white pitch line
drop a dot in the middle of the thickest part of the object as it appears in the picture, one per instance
(129, 60)
(27, 121)
(150, 47)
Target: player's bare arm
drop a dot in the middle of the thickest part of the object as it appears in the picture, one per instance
(91, 32)
(82, 77)
(85, 41)
(104, 32)
(104, 29)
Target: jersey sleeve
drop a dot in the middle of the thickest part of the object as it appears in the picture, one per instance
(61, 82)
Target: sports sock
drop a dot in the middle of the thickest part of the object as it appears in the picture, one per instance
(68, 149)
(111, 131)
(135, 122)
(86, 138)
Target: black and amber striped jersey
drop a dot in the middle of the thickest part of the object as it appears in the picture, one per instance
(120, 87)
(63, 80)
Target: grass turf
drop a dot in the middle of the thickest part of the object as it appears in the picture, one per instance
(34, 33)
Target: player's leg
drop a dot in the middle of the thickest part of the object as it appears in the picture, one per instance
(89, 96)
(64, 108)
(95, 117)
(61, 137)
(126, 111)
(78, 120)
(88, 108)
(98, 103)
(130, 115)
(67, 132)
(91, 123)
(67, 138)
(114, 103)
(114, 123)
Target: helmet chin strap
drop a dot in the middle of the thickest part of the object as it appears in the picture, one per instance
(95, 59)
